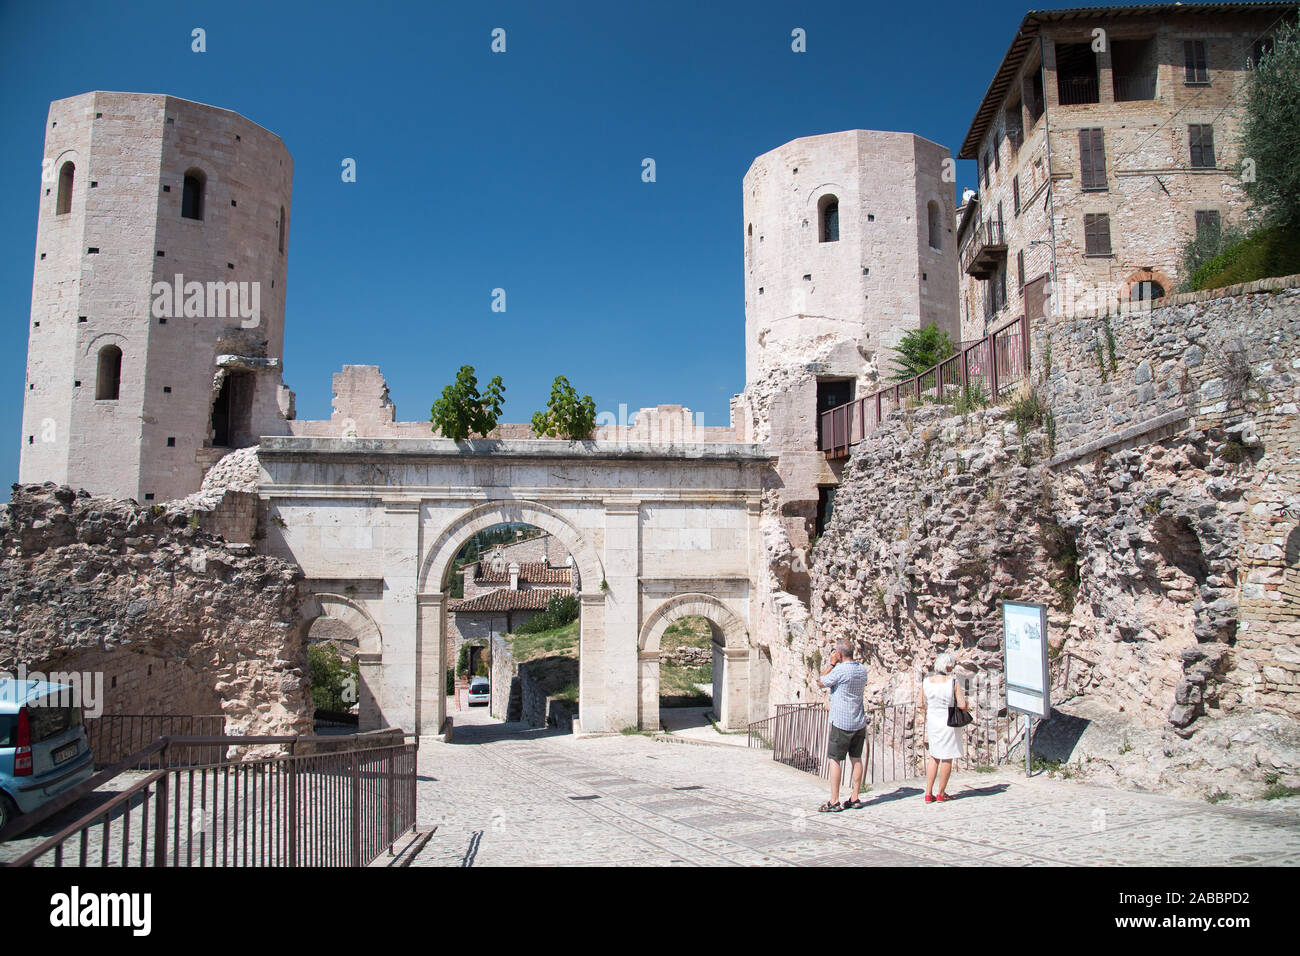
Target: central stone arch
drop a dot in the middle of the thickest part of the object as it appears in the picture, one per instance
(731, 657)
(431, 702)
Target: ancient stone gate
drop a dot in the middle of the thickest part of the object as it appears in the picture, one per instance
(655, 532)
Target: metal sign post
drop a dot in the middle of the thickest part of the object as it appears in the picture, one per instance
(1024, 662)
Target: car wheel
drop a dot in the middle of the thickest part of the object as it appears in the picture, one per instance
(7, 810)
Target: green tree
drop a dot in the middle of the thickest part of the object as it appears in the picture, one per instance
(1270, 132)
(566, 414)
(333, 680)
(462, 411)
(920, 349)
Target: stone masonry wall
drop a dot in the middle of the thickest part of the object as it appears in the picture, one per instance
(1152, 507)
(178, 621)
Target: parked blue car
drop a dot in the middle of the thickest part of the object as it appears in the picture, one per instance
(43, 747)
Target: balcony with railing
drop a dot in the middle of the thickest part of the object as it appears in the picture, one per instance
(985, 248)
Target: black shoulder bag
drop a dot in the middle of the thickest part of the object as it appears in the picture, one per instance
(956, 716)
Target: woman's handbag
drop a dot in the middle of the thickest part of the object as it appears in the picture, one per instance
(956, 716)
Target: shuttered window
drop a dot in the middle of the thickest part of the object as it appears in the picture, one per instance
(1200, 137)
(1092, 158)
(1020, 268)
(1015, 193)
(1194, 61)
(1096, 234)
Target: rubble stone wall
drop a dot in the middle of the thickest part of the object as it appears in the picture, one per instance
(176, 620)
(1152, 505)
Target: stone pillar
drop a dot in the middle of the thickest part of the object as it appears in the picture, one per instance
(369, 703)
(648, 665)
(401, 567)
(734, 713)
(622, 614)
(431, 702)
(591, 661)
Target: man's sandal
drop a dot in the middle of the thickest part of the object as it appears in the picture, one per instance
(829, 807)
(853, 804)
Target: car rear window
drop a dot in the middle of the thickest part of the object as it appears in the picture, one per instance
(50, 721)
(478, 685)
(8, 730)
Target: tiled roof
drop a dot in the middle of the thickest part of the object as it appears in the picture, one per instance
(504, 599)
(530, 572)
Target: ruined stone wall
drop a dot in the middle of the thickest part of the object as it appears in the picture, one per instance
(177, 621)
(1152, 506)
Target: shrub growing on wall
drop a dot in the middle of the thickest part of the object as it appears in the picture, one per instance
(463, 411)
(566, 415)
(920, 349)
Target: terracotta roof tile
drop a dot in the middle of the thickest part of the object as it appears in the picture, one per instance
(530, 572)
(504, 599)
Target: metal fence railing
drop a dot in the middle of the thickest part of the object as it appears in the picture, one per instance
(991, 366)
(113, 737)
(343, 807)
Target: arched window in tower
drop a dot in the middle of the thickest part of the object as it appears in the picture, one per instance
(192, 194)
(936, 225)
(828, 219)
(108, 381)
(281, 230)
(67, 174)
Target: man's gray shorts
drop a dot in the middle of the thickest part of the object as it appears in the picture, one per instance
(845, 743)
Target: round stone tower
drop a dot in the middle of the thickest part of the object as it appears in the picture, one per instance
(157, 321)
(848, 245)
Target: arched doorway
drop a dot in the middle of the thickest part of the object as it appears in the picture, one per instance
(731, 658)
(513, 619)
(351, 634)
(434, 603)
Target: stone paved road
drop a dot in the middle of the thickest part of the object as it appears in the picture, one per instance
(502, 796)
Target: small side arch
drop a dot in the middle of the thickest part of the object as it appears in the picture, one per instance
(730, 626)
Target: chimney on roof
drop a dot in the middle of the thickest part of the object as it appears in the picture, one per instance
(514, 575)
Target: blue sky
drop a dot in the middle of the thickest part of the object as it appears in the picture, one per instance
(519, 170)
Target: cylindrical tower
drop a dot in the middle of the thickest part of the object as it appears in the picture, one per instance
(848, 245)
(157, 321)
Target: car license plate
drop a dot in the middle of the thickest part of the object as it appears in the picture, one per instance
(65, 753)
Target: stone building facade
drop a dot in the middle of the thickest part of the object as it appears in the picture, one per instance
(140, 189)
(1105, 142)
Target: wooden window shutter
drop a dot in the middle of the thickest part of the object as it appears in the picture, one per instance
(1096, 234)
(1092, 158)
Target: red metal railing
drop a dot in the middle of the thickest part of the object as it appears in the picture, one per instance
(340, 808)
(993, 364)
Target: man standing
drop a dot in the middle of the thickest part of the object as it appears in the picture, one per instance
(846, 679)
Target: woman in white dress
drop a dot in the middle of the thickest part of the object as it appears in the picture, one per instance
(938, 692)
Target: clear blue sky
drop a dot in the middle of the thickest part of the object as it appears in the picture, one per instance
(519, 170)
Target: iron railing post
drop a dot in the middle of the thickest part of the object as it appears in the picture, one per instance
(160, 820)
(356, 809)
(388, 799)
(293, 810)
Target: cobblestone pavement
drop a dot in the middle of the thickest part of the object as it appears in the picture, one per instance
(503, 795)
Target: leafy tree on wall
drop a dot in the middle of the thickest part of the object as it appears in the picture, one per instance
(920, 349)
(463, 411)
(566, 414)
(1270, 132)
